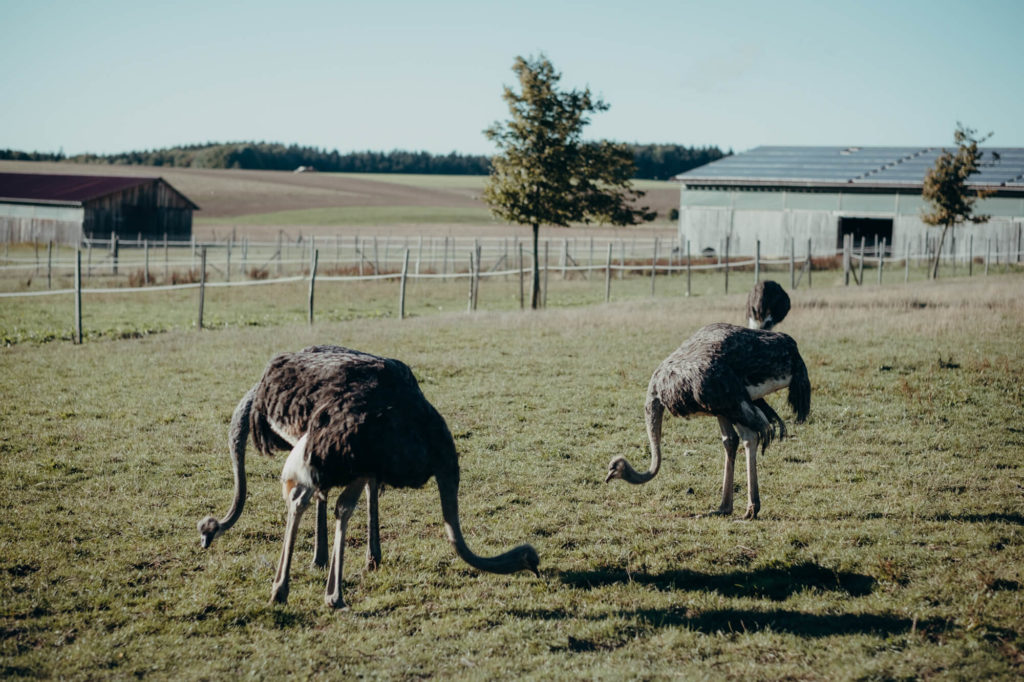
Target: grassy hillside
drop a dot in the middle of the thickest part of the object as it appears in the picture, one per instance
(889, 546)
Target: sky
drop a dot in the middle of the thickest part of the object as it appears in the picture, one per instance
(106, 76)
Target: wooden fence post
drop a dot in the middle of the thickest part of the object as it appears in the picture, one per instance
(78, 295)
(727, 264)
(757, 262)
(401, 290)
(792, 263)
(608, 275)
(114, 251)
(469, 305)
(654, 264)
(522, 300)
(810, 264)
(970, 256)
(202, 286)
(906, 264)
(312, 282)
(280, 246)
(846, 259)
(688, 267)
(881, 261)
(49, 265)
(145, 270)
(476, 272)
(988, 253)
(860, 266)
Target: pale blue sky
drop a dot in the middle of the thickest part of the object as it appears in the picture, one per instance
(109, 75)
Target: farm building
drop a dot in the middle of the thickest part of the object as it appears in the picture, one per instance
(778, 194)
(66, 209)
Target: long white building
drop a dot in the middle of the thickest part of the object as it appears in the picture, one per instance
(784, 195)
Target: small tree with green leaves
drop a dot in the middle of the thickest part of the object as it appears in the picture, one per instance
(945, 188)
(545, 174)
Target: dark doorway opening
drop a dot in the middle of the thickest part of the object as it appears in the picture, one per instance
(868, 229)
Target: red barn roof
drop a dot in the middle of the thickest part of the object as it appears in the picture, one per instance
(68, 189)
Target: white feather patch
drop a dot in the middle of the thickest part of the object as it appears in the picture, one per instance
(770, 386)
(296, 469)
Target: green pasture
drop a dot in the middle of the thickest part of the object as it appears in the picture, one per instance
(890, 543)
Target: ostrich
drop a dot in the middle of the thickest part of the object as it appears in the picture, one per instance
(725, 371)
(243, 420)
(767, 305)
(355, 419)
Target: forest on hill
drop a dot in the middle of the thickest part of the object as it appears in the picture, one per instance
(653, 161)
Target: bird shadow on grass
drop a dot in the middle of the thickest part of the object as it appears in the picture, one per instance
(750, 621)
(998, 517)
(776, 583)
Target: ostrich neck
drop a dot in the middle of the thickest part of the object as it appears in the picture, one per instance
(509, 562)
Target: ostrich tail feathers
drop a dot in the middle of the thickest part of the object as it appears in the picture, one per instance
(800, 390)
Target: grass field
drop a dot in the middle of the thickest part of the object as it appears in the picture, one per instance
(890, 543)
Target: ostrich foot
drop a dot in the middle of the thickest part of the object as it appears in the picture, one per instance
(751, 512)
(335, 601)
(279, 594)
(319, 561)
(372, 563)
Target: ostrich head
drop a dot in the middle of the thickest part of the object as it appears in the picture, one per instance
(620, 468)
(209, 528)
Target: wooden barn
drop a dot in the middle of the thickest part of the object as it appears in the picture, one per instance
(66, 209)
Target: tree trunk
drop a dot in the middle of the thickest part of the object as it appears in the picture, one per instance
(938, 252)
(535, 294)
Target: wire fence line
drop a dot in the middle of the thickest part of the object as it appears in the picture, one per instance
(480, 259)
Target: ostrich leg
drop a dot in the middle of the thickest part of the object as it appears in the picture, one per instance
(753, 493)
(298, 500)
(320, 546)
(343, 511)
(731, 442)
(372, 527)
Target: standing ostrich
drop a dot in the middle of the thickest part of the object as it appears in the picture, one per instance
(725, 371)
(767, 305)
(268, 436)
(356, 419)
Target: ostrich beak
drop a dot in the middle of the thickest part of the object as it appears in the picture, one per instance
(610, 476)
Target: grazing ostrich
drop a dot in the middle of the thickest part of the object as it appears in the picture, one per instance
(767, 305)
(725, 371)
(242, 421)
(356, 419)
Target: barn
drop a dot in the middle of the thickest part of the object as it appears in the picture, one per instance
(66, 209)
(773, 195)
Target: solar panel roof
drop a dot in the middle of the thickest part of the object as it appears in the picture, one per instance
(861, 166)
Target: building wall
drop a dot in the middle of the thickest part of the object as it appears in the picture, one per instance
(775, 217)
(147, 211)
(25, 223)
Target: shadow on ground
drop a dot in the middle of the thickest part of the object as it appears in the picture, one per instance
(775, 583)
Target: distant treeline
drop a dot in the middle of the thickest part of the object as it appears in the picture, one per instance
(653, 161)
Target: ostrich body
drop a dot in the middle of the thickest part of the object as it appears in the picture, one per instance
(268, 437)
(357, 419)
(725, 371)
(767, 305)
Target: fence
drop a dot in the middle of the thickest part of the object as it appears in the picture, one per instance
(350, 259)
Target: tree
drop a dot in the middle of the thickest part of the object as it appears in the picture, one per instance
(945, 187)
(545, 173)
